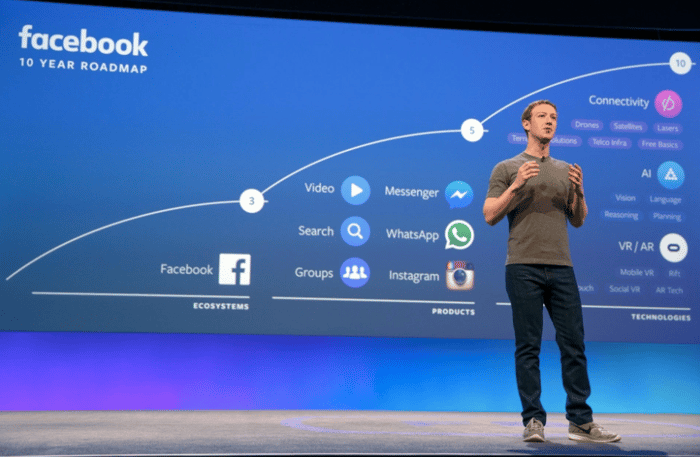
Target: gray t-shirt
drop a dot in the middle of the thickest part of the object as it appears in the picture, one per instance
(538, 224)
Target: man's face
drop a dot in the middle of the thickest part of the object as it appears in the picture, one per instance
(542, 123)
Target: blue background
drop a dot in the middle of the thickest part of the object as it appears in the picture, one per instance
(101, 371)
(234, 103)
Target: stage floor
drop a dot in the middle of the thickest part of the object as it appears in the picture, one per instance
(324, 432)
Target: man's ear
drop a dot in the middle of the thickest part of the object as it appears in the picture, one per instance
(526, 125)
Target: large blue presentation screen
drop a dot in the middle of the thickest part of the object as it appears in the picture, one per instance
(179, 172)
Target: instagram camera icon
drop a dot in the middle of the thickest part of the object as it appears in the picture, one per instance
(459, 275)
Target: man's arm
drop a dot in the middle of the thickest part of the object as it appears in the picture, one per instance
(578, 210)
(495, 208)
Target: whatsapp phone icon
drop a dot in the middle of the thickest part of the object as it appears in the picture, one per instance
(459, 235)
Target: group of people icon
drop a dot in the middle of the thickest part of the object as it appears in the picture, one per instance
(358, 272)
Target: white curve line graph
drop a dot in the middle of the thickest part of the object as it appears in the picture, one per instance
(371, 143)
(123, 221)
(410, 135)
(600, 72)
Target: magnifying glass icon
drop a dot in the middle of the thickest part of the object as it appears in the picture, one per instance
(357, 232)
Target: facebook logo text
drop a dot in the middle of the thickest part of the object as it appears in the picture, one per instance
(234, 269)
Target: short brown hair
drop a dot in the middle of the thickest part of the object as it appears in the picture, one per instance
(527, 114)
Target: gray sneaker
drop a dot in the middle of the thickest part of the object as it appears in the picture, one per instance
(534, 432)
(592, 433)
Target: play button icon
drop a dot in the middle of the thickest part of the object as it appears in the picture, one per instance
(355, 190)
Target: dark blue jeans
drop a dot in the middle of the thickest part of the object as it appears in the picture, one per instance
(528, 287)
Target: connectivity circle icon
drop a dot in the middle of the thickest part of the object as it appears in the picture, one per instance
(671, 175)
(668, 103)
(355, 190)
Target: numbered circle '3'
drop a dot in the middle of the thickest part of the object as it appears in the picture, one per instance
(252, 200)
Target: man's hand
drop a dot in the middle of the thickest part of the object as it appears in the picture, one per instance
(578, 210)
(525, 172)
(576, 178)
(496, 208)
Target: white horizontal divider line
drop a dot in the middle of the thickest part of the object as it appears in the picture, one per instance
(637, 307)
(108, 294)
(376, 300)
(618, 307)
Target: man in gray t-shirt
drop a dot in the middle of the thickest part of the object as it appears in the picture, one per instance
(540, 195)
(537, 222)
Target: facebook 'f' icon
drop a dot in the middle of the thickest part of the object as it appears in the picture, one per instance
(234, 269)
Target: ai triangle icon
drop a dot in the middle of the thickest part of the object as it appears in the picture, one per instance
(671, 175)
